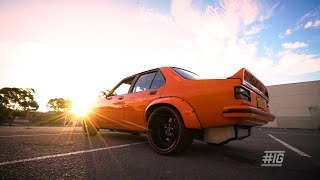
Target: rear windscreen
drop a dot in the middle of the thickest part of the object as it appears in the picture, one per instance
(186, 74)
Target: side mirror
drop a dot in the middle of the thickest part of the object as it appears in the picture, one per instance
(105, 93)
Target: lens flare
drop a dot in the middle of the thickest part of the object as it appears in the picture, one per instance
(81, 108)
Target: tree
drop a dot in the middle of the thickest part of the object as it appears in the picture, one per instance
(59, 104)
(16, 101)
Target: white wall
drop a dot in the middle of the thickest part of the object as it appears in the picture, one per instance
(295, 105)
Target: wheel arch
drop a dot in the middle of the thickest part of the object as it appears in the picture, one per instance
(184, 109)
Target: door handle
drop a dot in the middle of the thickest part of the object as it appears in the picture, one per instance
(121, 97)
(153, 92)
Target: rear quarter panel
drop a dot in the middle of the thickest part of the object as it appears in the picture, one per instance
(206, 97)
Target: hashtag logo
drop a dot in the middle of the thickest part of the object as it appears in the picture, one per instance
(273, 158)
(268, 158)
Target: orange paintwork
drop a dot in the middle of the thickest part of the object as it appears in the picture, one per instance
(188, 114)
(201, 103)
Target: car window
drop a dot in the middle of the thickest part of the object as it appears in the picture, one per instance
(158, 81)
(186, 74)
(124, 87)
(144, 82)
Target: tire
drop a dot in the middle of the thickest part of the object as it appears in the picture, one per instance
(88, 128)
(167, 134)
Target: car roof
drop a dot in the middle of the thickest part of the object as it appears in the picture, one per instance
(144, 72)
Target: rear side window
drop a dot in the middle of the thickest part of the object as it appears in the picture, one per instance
(158, 81)
(144, 82)
(186, 74)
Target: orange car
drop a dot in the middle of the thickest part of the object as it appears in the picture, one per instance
(174, 107)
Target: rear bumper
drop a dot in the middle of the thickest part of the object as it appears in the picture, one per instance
(248, 115)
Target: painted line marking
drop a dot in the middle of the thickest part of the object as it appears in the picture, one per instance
(290, 147)
(27, 135)
(52, 134)
(67, 154)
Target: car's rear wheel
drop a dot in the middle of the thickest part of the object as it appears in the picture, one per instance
(166, 131)
(88, 128)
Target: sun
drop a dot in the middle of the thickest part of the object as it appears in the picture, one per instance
(81, 107)
(80, 110)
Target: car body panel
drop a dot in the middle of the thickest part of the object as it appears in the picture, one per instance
(186, 111)
(135, 106)
(205, 103)
(109, 113)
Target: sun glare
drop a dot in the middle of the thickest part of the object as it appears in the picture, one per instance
(79, 110)
(81, 107)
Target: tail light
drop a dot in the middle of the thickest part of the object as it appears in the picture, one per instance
(242, 93)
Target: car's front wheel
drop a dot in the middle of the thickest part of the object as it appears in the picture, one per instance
(166, 131)
(88, 128)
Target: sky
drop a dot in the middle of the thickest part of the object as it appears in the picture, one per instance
(74, 49)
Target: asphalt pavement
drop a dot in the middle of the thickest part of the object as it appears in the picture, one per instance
(65, 153)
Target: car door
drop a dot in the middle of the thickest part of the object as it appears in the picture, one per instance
(111, 111)
(147, 87)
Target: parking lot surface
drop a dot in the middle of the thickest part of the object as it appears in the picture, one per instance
(65, 153)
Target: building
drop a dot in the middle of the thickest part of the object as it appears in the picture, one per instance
(295, 105)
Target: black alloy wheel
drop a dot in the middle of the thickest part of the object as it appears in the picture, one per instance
(166, 131)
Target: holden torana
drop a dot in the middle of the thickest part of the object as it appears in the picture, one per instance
(173, 107)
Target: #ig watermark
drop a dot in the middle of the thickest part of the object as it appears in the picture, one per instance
(273, 158)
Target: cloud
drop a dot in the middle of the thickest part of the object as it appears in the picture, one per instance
(223, 20)
(151, 15)
(296, 64)
(308, 24)
(293, 63)
(254, 30)
(269, 12)
(216, 41)
(308, 20)
(213, 35)
(295, 45)
(309, 16)
(288, 31)
(312, 24)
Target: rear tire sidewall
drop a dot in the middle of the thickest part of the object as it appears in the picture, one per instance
(180, 140)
